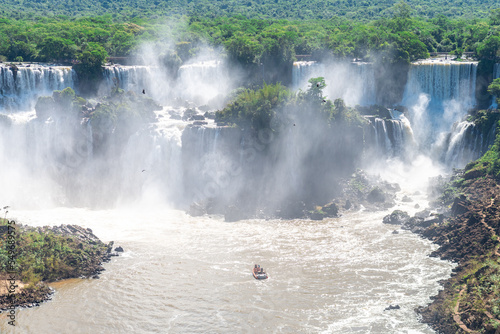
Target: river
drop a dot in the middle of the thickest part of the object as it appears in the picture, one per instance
(183, 274)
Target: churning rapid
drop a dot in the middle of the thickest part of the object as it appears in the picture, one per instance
(184, 274)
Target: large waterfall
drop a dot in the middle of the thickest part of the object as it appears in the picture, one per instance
(353, 82)
(438, 94)
(89, 167)
(201, 82)
(21, 85)
(70, 168)
(442, 82)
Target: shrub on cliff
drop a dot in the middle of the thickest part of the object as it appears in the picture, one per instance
(275, 107)
(61, 103)
(494, 89)
(255, 108)
(46, 254)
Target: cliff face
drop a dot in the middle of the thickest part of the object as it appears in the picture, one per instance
(470, 300)
(267, 171)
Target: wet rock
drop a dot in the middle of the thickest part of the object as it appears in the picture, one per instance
(391, 307)
(119, 249)
(209, 115)
(406, 199)
(14, 70)
(331, 210)
(376, 195)
(188, 113)
(196, 210)
(293, 210)
(423, 214)
(460, 205)
(413, 224)
(109, 247)
(397, 217)
(197, 118)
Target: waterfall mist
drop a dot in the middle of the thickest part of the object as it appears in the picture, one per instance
(180, 156)
(206, 79)
(354, 82)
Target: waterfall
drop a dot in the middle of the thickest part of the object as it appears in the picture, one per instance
(302, 71)
(437, 95)
(89, 168)
(466, 143)
(204, 81)
(442, 81)
(353, 82)
(128, 78)
(200, 82)
(20, 89)
(389, 137)
(152, 81)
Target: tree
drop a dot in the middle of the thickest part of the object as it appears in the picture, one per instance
(25, 50)
(56, 49)
(494, 89)
(91, 58)
(316, 88)
(401, 18)
(244, 49)
(490, 49)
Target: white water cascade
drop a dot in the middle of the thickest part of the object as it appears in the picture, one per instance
(200, 82)
(438, 94)
(466, 143)
(131, 78)
(20, 86)
(90, 168)
(353, 82)
(390, 138)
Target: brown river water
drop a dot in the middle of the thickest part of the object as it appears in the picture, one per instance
(182, 274)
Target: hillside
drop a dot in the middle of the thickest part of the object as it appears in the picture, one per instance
(363, 10)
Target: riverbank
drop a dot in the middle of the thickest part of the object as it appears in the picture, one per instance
(34, 256)
(470, 299)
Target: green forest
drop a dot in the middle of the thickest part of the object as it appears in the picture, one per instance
(360, 10)
(403, 37)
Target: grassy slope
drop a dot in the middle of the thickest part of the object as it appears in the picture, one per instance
(471, 237)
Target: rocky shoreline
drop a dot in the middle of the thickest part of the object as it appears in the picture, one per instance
(467, 231)
(82, 257)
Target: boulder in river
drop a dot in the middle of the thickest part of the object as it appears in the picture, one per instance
(397, 217)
